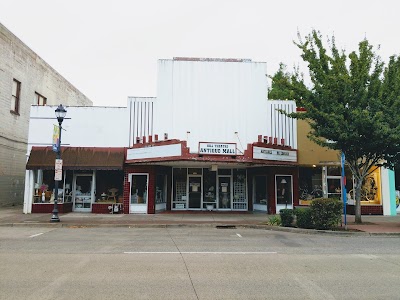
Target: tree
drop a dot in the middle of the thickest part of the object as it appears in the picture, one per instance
(352, 105)
(281, 85)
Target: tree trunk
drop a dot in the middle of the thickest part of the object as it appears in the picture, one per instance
(358, 201)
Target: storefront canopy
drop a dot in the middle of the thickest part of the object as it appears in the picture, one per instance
(77, 158)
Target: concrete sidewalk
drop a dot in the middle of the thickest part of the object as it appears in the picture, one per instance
(13, 216)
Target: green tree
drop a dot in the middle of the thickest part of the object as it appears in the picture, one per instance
(352, 104)
(281, 85)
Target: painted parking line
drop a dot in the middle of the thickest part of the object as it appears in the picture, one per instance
(197, 252)
(35, 235)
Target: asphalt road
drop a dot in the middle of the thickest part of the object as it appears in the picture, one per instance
(194, 263)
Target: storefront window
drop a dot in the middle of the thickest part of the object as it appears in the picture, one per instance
(109, 185)
(370, 190)
(260, 190)
(310, 183)
(179, 185)
(239, 189)
(283, 186)
(224, 172)
(334, 171)
(334, 187)
(210, 183)
(161, 188)
(44, 186)
(68, 177)
(195, 171)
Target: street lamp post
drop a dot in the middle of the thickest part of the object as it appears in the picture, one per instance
(60, 114)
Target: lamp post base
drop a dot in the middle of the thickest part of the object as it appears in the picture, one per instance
(54, 219)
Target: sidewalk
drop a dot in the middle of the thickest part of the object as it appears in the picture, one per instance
(13, 216)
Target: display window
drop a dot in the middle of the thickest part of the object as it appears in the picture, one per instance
(310, 184)
(44, 187)
(370, 190)
(206, 189)
(161, 188)
(179, 200)
(283, 189)
(210, 184)
(260, 193)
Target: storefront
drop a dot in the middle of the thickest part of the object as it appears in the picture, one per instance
(203, 144)
(92, 179)
(164, 175)
(325, 181)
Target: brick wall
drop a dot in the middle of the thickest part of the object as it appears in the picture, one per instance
(151, 185)
(366, 209)
(48, 208)
(102, 208)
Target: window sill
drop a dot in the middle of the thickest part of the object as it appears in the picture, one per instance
(13, 112)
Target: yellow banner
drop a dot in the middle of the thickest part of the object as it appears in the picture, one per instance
(56, 138)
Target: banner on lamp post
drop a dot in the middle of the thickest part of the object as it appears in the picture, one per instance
(56, 138)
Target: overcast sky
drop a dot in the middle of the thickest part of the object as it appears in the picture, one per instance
(109, 49)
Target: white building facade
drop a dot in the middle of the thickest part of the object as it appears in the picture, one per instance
(210, 140)
(207, 142)
(215, 142)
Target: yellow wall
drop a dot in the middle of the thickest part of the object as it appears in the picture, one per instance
(310, 153)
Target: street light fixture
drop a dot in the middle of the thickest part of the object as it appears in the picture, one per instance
(60, 115)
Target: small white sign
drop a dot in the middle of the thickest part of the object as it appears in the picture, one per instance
(58, 175)
(58, 165)
(274, 154)
(217, 148)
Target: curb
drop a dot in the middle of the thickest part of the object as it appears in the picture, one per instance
(212, 225)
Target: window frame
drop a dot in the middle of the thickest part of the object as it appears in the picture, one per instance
(15, 98)
(37, 99)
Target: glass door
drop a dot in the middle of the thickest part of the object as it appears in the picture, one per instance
(83, 192)
(224, 192)
(283, 192)
(195, 192)
(139, 191)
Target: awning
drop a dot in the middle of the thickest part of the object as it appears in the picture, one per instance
(77, 158)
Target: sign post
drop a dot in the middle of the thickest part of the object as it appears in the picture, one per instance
(344, 192)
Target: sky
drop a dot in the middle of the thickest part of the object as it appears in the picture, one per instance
(109, 49)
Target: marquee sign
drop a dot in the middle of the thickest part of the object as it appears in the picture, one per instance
(274, 154)
(154, 152)
(217, 148)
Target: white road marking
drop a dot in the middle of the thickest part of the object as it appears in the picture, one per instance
(35, 235)
(177, 252)
(238, 234)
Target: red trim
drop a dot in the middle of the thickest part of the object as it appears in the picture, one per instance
(246, 157)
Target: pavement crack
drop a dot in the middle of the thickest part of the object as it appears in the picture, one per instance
(184, 262)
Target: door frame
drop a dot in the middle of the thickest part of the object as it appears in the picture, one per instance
(230, 191)
(138, 208)
(188, 192)
(92, 188)
(282, 206)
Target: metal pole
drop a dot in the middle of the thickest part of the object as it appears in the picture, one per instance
(55, 217)
(344, 192)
